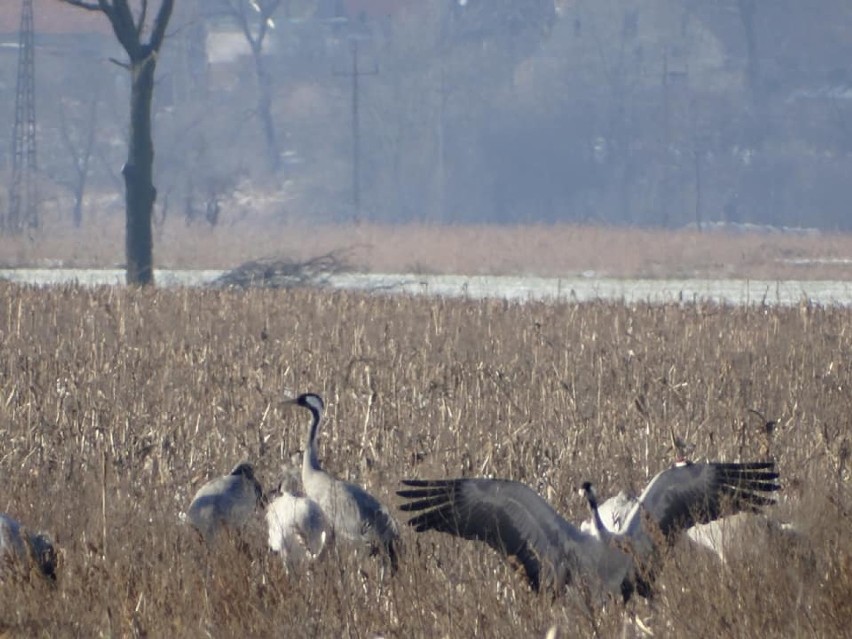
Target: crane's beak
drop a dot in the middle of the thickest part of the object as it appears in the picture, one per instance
(289, 402)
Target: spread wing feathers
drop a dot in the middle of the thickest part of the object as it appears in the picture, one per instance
(690, 494)
(508, 516)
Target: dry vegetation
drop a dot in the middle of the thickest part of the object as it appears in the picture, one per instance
(115, 405)
(561, 250)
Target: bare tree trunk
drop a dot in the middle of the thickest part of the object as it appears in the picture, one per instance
(696, 159)
(261, 16)
(81, 155)
(140, 193)
(77, 212)
(747, 11)
(264, 112)
(138, 176)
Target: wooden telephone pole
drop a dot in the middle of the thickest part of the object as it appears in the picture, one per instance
(355, 73)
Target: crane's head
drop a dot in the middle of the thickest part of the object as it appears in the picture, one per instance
(311, 401)
(244, 469)
(588, 491)
(45, 555)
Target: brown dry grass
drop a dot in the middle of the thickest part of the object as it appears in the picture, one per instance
(115, 405)
(557, 250)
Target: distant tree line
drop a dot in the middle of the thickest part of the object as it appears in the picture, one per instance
(663, 113)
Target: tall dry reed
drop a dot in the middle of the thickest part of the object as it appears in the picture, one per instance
(116, 405)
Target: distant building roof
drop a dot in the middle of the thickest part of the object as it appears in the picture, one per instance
(839, 91)
(374, 8)
(53, 17)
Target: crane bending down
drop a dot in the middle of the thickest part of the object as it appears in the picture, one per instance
(20, 547)
(298, 529)
(226, 502)
(354, 513)
(515, 521)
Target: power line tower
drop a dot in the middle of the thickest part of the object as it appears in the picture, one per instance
(23, 208)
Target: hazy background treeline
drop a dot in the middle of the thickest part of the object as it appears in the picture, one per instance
(664, 113)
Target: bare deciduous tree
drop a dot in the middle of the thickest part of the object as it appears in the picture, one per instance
(79, 141)
(130, 27)
(255, 25)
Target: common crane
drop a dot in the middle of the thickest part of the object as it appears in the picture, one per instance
(515, 521)
(719, 536)
(354, 513)
(226, 502)
(24, 549)
(298, 529)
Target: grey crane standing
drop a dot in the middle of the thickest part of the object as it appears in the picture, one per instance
(515, 521)
(353, 512)
(226, 502)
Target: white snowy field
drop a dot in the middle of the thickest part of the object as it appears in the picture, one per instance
(515, 288)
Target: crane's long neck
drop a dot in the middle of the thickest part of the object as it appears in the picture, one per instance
(603, 531)
(310, 460)
(591, 497)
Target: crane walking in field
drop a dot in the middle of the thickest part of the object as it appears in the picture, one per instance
(226, 502)
(21, 548)
(298, 529)
(515, 521)
(353, 513)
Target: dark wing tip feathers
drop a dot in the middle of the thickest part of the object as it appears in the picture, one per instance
(746, 486)
(760, 465)
(749, 478)
(431, 500)
(427, 483)
(442, 505)
(732, 488)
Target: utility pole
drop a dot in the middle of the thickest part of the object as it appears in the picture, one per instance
(673, 83)
(355, 73)
(23, 207)
(664, 200)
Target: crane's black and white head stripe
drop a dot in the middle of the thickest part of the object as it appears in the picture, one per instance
(245, 469)
(311, 401)
(588, 491)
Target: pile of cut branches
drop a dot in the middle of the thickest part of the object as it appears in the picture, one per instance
(285, 273)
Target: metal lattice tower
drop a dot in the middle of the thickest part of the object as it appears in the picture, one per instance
(23, 207)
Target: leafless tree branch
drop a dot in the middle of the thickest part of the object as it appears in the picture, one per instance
(89, 6)
(160, 24)
(143, 14)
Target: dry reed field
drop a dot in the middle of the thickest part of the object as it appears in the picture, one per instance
(558, 250)
(117, 404)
